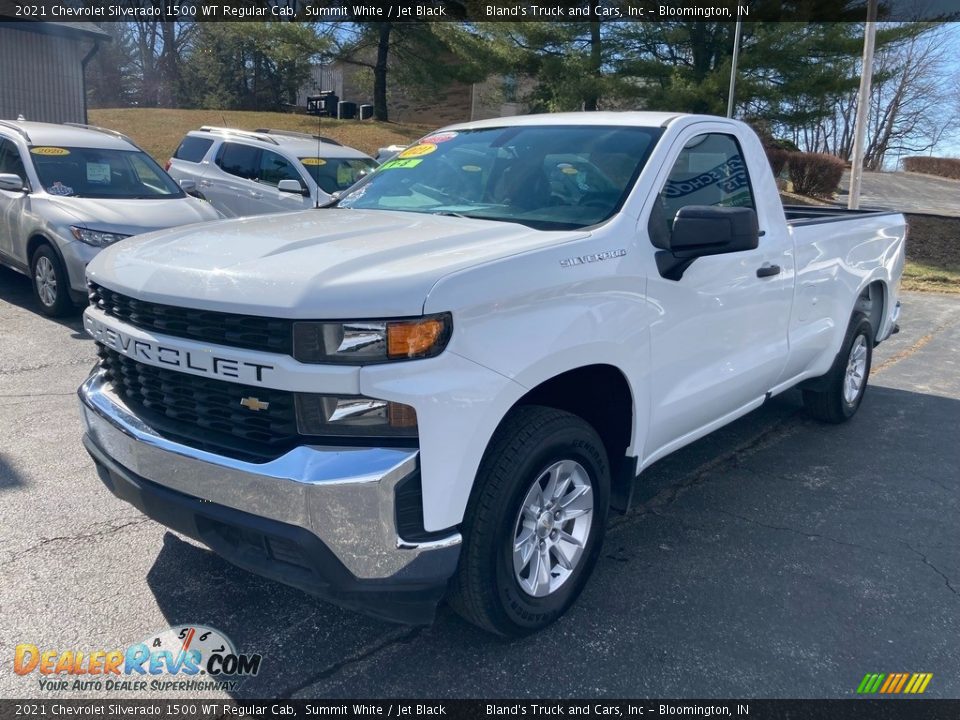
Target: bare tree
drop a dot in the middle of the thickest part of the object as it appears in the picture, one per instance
(907, 109)
(160, 46)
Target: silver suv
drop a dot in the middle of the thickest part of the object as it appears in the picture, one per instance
(263, 171)
(66, 191)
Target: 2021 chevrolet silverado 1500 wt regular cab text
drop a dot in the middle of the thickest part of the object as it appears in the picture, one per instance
(442, 384)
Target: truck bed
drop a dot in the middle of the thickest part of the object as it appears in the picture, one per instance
(815, 214)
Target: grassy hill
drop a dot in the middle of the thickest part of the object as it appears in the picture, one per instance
(159, 131)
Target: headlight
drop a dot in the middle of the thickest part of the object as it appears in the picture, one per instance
(97, 238)
(371, 341)
(354, 416)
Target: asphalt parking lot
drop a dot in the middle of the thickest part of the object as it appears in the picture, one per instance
(776, 558)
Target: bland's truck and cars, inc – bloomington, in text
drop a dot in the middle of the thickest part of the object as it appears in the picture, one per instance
(440, 384)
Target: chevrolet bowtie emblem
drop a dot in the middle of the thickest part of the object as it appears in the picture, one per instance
(252, 403)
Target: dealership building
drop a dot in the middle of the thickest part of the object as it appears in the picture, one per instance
(43, 69)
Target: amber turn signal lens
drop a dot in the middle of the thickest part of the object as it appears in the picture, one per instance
(413, 339)
(401, 416)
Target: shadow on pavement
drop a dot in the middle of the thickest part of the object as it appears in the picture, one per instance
(763, 545)
(17, 290)
(9, 478)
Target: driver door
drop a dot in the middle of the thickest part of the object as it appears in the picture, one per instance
(720, 340)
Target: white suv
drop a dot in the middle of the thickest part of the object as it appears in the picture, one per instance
(265, 171)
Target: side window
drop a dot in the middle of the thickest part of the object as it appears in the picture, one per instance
(192, 149)
(10, 161)
(709, 171)
(274, 168)
(239, 160)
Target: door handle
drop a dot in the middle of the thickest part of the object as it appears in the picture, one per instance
(256, 195)
(205, 183)
(768, 271)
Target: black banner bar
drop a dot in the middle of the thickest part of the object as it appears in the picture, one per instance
(854, 709)
(107, 11)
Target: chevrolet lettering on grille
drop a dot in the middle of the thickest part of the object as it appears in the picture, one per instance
(165, 354)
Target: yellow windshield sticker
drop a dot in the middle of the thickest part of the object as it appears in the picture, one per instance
(313, 161)
(395, 164)
(567, 169)
(418, 150)
(49, 151)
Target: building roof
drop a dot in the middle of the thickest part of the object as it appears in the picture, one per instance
(86, 30)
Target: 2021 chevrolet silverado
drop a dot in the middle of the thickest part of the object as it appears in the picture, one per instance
(440, 384)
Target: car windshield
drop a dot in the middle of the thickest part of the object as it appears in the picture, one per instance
(547, 177)
(102, 173)
(335, 174)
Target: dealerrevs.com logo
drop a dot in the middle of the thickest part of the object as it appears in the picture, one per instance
(184, 657)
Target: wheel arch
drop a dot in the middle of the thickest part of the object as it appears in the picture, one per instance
(34, 242)
(872, 300)
(601, 395)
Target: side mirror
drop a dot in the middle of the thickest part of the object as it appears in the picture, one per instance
(290, 186)
(700, 230)
(12, 183)
(188, 186)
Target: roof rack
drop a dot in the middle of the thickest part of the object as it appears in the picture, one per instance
(257, 135)
(293, 133)
(105, 131)
(16, 128)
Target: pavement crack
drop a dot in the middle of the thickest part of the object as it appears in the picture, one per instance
(926, 561)
(397, 638)
(111, 529)
(904, 354)
(795, 531)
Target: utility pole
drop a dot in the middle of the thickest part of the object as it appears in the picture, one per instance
(863, 106)
(733, 68)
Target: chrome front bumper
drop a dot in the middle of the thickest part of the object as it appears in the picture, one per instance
(342, 495)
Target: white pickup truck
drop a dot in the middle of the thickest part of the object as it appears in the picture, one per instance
(440, 385)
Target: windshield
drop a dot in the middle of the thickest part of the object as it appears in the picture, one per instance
(102, 173)
(547, 177)
(335, 174)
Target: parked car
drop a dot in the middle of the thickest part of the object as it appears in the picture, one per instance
(68, 191)
(265, 171)
(385, 153)
(443, 383)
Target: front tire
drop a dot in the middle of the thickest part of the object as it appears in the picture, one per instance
(846, 382)
(51, 286)
(534, 524)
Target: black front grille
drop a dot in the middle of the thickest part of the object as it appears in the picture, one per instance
(202, 412)
(243, 331)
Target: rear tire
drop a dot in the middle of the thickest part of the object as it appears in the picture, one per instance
(51, 286)
(846, 382)
(535, 522)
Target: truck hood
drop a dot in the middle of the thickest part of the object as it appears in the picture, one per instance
(133, 217)
(320, 264)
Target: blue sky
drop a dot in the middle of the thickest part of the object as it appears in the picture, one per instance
(951, 146)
